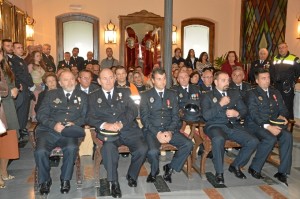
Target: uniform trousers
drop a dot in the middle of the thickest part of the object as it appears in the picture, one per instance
(182, 143)
(46, 142)
(22, 107)
(219, 134)
(138, 149)
(266, 144)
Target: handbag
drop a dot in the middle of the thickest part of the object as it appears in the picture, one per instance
(3, 122)
(3, 85)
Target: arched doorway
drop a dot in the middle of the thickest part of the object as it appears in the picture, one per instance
(76, 20)
(198, 34)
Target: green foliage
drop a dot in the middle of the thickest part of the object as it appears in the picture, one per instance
(219, 61)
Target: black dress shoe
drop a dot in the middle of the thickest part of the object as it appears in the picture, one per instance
(131, 182)
(151, 178)
(65, 186)
(45, 187)
(124, 155)
(115, 190)
(219, 178)
(281, 177)
(255, 174)
(168, 173)
(237, 172)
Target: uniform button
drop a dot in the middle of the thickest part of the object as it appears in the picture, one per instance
(67, 113)
(112, 105)
(65, 119)
(161, 123)
(162, 117)
(114, 114)
(68, 107)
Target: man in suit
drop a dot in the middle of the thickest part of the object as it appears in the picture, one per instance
(237, 82)
(109, 61)
(90, 59)
(264, 105)
(61, 108)
(159, 115)
(85, 82)
(48, 59)
(66, 62)
(112, 109)
(24, 82)
(207, 80)
(222, 110)
(177, 57)
(76, 60)
(262, 62)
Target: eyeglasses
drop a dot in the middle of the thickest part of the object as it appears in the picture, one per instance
(86, 78)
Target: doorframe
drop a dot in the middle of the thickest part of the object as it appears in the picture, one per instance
(60, 19)
(203, 22)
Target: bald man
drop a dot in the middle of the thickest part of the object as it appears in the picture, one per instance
(112, 109)
(262, 62)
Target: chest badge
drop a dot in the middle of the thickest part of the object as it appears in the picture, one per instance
(57, 101)
(151, 100)
(215, 100)
(180, 95)
(260, 98)
(168, 103)
(99, 100)
(119, 96)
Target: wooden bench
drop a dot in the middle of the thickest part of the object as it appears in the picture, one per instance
(124, 149)
(32, 139)
(203, 138)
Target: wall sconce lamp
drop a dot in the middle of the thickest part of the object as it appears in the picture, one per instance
(110, 34)
(298, 31)
(174, 35)
(29, 28)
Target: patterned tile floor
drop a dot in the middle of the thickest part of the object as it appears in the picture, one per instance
(182, 187)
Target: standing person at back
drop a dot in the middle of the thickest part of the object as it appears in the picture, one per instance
(284, 73)
(109, 61)
(48, 59)
(76, 60)
(262, 62)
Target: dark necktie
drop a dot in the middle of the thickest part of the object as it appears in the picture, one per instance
(261, 61)
(67, 62)
(186, 90)
(108, 97)
(223, 94)
(161, 95)
(267, 93)
(68, 96)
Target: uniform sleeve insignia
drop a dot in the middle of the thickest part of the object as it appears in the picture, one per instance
(79, 99)
(99, 100)
(151, 100)
(260, 98)
(57, 101)
(180, 95)
(215, 100)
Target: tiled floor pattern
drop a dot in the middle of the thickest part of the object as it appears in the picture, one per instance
(181, 188)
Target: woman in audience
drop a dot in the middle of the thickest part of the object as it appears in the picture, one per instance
(8, 141)
(50, 80)
(231, 61)
(37, 70)
(191, 60)
(130, 76)
(174, 77)
(203, 62)
(194, 78)
(138, 81)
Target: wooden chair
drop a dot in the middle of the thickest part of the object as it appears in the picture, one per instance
(32, 139)
(229, 144)
(124, 149)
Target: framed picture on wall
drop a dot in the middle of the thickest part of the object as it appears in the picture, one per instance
(20, 26)
(7, 16)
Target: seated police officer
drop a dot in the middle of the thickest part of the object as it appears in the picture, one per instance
(266, 110)
(207, 80)
(237, 82)
(161, 123)
(222, 109)
(62, 109)
(112, 109)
